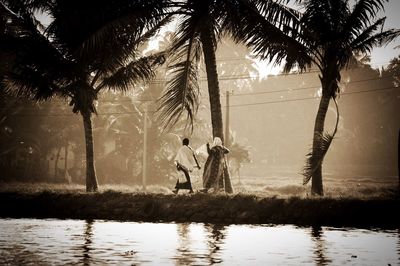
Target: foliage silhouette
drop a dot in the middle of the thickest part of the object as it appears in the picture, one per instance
(87, 47)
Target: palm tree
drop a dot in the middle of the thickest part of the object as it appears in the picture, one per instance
(202, 23)
(87, 47)
(330, 32)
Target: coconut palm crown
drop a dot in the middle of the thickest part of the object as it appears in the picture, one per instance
(202, 23)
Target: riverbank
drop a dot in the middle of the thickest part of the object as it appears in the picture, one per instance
(204, 208)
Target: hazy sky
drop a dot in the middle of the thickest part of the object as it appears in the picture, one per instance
(383, 55)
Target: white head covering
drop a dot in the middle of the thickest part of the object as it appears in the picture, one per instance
(217, 142)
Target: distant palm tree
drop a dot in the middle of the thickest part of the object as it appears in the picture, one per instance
(330, 32)
(88, 46)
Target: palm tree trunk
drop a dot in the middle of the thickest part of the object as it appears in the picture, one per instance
(91, 179)
(317, 153)
(213, 85)
(206, 38)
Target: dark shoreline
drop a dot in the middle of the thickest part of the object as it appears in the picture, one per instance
(204, 208)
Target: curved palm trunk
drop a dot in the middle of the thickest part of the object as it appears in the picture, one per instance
(214, 94)
(91, 179)
(317, 152)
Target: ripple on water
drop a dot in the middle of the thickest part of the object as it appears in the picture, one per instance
(54, 242)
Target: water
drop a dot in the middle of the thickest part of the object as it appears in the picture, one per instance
(61, 242)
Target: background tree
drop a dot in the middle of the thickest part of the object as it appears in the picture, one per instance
(239, 154)
(394, 69)
(330, 32)
(87, 47)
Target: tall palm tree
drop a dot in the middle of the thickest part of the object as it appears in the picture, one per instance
(201, 25)
(87, 47)
(330, 32)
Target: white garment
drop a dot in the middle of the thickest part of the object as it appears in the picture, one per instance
(185, 157)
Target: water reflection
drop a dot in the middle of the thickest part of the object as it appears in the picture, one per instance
(60, 242)
(199, 244)
(215, 240)
(184, 253)
(318, 238)
(88, 241)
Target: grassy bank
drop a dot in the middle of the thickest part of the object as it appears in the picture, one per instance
(207, 208)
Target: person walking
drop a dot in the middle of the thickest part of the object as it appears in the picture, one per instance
(185, 161)
(215, 168)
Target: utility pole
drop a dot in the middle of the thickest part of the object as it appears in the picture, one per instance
(226, 139)
(144, 167)
(226, 144)
(227, 179)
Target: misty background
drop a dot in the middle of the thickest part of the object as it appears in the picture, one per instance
(271, 120)
(271, 123)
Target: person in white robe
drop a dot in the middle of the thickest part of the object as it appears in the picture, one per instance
(185, 161)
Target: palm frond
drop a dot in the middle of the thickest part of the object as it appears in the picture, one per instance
(368, 39)
(277, 12)
(187, 32)
(271, 34)
(22, 12)
(182, 95)
(109, 47)
(152, 31)
(13, 23)
(136, 71)
(362, 13)
(30, 84)
(38, 70)
(100, 27)
(313, 161)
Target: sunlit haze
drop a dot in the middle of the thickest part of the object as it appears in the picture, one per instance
(151, 133)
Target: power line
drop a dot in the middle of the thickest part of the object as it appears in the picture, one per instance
(237, 77)
(246, 76)
(242, 94)
(305, 88)
(265, 92)
(310, 98)
(236, 105)
(234, 59)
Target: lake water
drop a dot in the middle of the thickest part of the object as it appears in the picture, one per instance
(60, 242)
